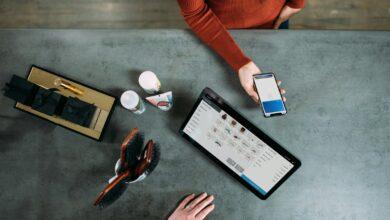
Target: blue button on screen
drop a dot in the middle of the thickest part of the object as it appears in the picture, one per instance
(273, 106)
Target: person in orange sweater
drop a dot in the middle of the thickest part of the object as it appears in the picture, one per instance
(210, 19)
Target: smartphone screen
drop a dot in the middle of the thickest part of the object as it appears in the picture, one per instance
(268, 91)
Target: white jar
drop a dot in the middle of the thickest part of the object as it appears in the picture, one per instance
(149, 82)
(130, 100)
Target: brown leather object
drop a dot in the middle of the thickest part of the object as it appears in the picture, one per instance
(125, 145)
(146, 158)
(113, 190)
(134, 165)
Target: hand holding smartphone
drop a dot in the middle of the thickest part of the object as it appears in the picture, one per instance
(270, 98)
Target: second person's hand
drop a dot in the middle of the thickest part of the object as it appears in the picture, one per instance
(193, 208)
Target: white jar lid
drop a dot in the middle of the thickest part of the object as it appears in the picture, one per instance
(129, 99)
(148, 80)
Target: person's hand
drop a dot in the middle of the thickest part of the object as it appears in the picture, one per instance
(285, 14)
(192, 208)
(245, 74)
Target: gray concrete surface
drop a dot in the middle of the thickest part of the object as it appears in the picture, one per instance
(337, 124)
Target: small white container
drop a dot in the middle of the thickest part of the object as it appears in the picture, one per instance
(149, 82)
(130, 100)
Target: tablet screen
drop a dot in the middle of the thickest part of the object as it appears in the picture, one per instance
(234, 145)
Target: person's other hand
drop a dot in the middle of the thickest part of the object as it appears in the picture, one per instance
(192, 208)
(245, 74)
(284, 15)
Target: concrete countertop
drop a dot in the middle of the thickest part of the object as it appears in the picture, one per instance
(338, 90)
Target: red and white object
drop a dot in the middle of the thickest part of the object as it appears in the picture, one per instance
(162, 101)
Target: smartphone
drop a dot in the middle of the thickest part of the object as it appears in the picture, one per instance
(270, 98)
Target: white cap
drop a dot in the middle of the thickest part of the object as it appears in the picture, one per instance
(129, 99)
(149, 82)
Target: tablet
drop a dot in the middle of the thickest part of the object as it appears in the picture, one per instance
(236, 145)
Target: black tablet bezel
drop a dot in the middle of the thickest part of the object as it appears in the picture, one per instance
(210, 95)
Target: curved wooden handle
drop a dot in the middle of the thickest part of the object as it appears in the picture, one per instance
(124, 146)
(146, 158)
(110, 186)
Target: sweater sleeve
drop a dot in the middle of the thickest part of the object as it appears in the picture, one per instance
(296, 3)
(207, 26)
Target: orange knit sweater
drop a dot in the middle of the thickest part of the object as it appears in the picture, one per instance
(210, 19)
